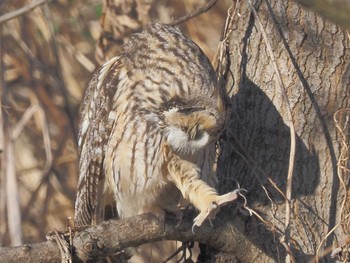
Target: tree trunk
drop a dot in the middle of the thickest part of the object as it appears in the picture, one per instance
(313, 58)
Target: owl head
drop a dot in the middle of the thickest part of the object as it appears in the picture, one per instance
(191, 124)
(178, 81)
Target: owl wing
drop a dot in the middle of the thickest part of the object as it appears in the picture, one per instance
(95, 129)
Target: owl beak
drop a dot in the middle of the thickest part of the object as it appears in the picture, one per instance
(193, 132)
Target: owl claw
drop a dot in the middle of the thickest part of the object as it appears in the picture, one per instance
(214, 207)
(179, 216)
(193, 228)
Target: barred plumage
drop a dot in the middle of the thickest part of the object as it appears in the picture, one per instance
(149, 122)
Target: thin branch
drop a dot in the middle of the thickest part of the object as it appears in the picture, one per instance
(79, 56)
(221, 61)
(318, 255)
(199, 11)
(62, 86)
(343, 158)
(10, 204)
(23, 121)
(3, 225)
(12, 196)
(274, 185)
(46, 139)
(22, 10)
(36, 108)
(344, 150)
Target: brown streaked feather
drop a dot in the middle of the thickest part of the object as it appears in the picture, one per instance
(95, 126)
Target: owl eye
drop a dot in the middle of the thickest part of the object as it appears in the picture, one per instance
(189, 110)
(173, 104)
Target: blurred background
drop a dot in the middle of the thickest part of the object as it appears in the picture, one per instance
(48, 54)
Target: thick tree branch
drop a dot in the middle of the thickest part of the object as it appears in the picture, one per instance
(40, 252)
(115, 235)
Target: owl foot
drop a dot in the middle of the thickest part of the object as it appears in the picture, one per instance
(178, 214)
(214, 207)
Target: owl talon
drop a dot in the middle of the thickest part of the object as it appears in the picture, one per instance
(193, 228)
(179, 216)
(210, 222)
(214, 207)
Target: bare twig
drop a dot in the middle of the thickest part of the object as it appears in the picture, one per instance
(22, 10)
(318, 255)
(63, 88)
(341, 119)
(201, 10)
(292, 132)
(23, 121)
(2, 145)
(46, 137)
(9, 197)
(12, 197)
(19, 40)
(54, 80)
(63, 245)
(341, 169)
(221, 60)
(274, 185)
(80, 57)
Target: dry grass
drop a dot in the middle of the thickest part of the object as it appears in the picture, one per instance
(47, 57)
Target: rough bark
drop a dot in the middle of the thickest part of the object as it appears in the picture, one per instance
(115, 235)
(313, 57)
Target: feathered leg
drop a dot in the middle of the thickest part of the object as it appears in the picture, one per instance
(205, 198)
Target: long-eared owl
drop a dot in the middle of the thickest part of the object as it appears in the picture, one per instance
(149, 124)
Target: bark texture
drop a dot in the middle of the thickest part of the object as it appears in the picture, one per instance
(313, 58)
(113, 236)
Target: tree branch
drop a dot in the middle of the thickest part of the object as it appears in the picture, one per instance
(194, 13)
(115, 235)
(21, 11)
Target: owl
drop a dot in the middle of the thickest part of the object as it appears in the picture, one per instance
(149, 125)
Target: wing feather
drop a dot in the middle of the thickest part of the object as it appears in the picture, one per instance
(95, 129)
